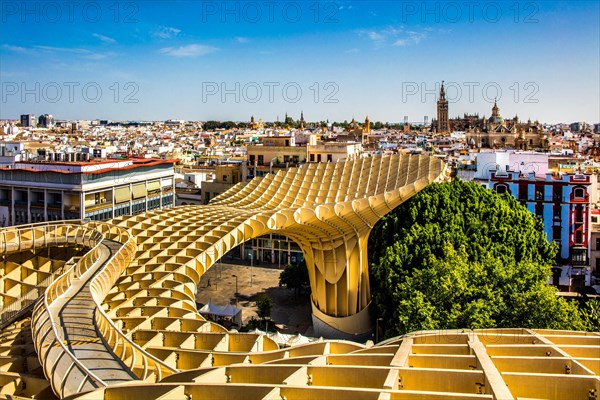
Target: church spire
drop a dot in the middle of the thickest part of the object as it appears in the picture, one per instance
(495, 109)
(443, 125)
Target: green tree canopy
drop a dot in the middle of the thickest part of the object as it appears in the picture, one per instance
(264, 305)
(295, 276)
(458, 255)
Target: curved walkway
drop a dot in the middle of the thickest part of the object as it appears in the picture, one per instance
(74, 354)
(76, 318)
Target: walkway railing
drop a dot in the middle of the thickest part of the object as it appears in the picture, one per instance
(14, 308)
(41, 235)
(144, 365)
(58, 363)
(46, 234)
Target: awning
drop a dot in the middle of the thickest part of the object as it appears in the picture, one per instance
(222, 311)
(153, 186)
(298, 339)
(167, 183)
(90, 199)
(122, 194)
(139, 190)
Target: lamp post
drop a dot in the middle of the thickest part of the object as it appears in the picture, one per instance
(377, 329)
(236, 286)
(279, 254)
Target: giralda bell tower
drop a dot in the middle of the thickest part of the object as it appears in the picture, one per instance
(442, 112)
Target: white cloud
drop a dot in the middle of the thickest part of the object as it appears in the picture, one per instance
(353, 50)
(242, 40)
(190, 50)
(166, 32)
(103, 38)
(411, 38)
(100, 56)
(393, 36)
(74, 50)
(374, 36)
(85, 53)
(16, 49)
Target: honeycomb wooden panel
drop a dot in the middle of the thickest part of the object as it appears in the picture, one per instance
(147, 294)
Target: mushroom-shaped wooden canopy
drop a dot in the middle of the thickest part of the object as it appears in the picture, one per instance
(329, 209)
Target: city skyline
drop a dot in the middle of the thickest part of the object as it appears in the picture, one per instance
(333, 60)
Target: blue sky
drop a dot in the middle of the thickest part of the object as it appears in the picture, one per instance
(200, 60)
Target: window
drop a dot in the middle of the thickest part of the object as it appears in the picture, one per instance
(597, 264)
(523, 191)
(318, 158)
(556, 230)
(329, 158)
(579, 193)
(539, 210)
(501, 189)
(556, 212)
(312, 158)
(261, 160)
(579, 215)
(252, 159)
(539, 192)
(557, 193)
(578, 237)
(597, 244)
(579, 257)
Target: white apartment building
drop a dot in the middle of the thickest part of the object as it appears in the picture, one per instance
(99, 189)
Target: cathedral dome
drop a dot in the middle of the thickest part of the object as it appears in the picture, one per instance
(496, 118)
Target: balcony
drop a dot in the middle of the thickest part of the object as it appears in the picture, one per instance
(579, 256)
(98, 206)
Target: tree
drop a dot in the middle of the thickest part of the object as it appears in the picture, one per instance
(590, 314)
(289, 121)
(461, 256)
(264, 305)
(295, 277)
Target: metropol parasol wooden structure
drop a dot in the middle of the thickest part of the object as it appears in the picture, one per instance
(107, 310)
